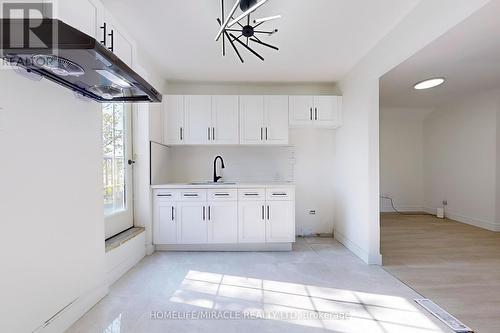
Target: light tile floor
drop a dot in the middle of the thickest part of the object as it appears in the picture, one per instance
(319, 287)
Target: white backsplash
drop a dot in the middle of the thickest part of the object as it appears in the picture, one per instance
(243, 164)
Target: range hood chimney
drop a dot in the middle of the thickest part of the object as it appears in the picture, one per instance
(72, 59)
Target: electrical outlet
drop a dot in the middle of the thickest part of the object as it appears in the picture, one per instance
(445, 202)
(312, 212)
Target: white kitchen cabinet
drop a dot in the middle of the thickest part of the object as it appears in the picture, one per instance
(276, 119)
(185, 218)
(198, 119)
(327, 111)
(165, 227)
(173, 120)
(222, 222)
(225, 124)
(251, 222)
(117, 41)
(279, 215)
(317, 111)
(192, 222)
(251, 119)
(263, 120)
(80, 14)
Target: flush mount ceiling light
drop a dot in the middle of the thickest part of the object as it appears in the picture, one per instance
(247, 31)
(429, 83)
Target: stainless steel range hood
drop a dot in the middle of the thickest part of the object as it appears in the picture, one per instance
(72, 59)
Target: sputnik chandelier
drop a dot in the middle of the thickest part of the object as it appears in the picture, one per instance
(246, 31)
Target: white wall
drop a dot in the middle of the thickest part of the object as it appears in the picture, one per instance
(460, 143)
(402, 158)
(51, 207)
(357, 187)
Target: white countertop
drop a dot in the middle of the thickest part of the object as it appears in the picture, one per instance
(236, 185)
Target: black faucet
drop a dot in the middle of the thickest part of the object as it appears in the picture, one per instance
(216, 178)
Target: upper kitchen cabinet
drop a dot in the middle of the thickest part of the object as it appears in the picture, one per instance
(225, 114)
(116, 39)
(199, 129)
(173, 120)
(318, 111)
(264, 120)
(200, 120)
(84, 15)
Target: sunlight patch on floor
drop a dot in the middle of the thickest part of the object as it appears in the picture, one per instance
(306, 305)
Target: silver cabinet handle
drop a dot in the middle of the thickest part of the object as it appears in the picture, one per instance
(213, 133)
(209, 218)
(209, 134)
(251, 194)
(268, 212)
(311, 113)
(172, 213)
(192, 195)
(181, 134)
(221, 194)
(164, 195)
(263, 218)
(266, 133)
(279, 194)
(315, 113)
(203, 213)
(261, 134)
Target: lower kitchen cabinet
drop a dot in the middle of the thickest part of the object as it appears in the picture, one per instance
(252, 222)
(278, 226)
(165, 228)
(224, 217)
(222, 222)
(192, 223)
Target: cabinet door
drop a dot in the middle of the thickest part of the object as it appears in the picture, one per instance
(192, 223)
(80, 14)
(276, 119)
(165, 224)
(117, 41)
(223, 222)
(326, 111)
(252, 120)
(225, 125)
(301, 110)
(280, 217)
(251, 222)
(173, 118)
(198, 119)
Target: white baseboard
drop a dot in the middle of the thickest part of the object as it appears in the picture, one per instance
(467, 220)
(406, 208)
(226, 247)
(75, 311)
(371, 259)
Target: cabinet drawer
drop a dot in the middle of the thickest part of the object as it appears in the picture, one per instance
(222, 195)
(193, 195)
(283, 194)
(252, 194)
(166, 195)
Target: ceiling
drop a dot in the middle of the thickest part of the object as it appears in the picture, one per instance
(468, 56)
(319, 40)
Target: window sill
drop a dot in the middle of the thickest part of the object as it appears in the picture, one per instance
(123, 237)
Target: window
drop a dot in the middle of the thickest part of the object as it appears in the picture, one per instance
(114, 163)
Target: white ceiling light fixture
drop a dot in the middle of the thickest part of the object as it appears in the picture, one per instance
(429, 83)
(246, 30)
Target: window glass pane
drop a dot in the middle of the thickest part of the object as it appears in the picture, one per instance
(114, 154)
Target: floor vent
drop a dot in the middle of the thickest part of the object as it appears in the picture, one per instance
(452, 322)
